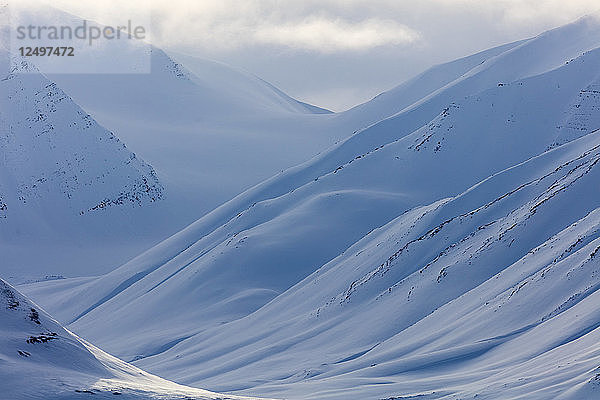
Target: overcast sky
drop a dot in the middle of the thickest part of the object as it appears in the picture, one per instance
(337, 53)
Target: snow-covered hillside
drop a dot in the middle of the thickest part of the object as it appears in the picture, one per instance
(40, 359)
(52, 148)
(424, 256)
(62, 175)
(457, 298)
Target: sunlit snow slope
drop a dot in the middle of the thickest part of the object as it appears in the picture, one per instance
(39, 359)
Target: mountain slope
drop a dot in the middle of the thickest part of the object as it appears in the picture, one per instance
(245, 88)
(41, 360)
(425, 94)
(432, 80)
(494, 289)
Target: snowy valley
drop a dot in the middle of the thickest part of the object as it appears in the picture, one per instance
(443, 242)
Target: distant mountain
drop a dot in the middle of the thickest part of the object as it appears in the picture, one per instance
(210, 133)
(447, 251)
(241, 86)
(42, 360)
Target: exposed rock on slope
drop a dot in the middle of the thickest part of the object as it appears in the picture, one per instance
(42, 360)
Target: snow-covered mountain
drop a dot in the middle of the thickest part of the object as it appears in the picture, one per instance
(42, 360)
(210, 131)
(62, 174)
(446, 251)
(53, 152)
(68, 182)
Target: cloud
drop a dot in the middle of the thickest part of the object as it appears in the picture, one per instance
(315, 26)
(229, 24)
(331, 35)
